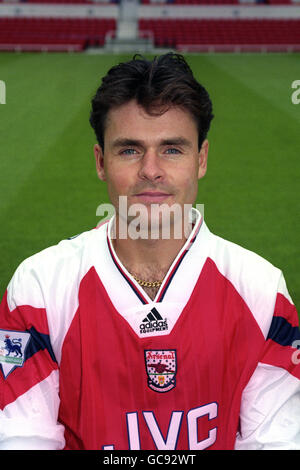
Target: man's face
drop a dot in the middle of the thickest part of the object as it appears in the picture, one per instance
(151, 159)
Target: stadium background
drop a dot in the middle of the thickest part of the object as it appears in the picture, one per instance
(52, 57)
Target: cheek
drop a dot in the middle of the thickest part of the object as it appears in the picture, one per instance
(118, 182)
(187, 193)
(191, 190)
(189, 183)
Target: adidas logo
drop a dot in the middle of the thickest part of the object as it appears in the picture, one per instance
(153, 322)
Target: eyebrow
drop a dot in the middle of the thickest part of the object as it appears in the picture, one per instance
(123, 142)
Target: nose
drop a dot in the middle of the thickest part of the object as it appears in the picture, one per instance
(150, 168)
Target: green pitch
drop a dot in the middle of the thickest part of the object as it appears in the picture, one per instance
(49, 189)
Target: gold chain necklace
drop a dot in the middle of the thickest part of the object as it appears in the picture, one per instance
(148, 283)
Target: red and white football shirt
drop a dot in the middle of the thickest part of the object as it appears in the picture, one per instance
(89, 361)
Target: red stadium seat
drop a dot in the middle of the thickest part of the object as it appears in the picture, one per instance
(53, 33)
(223, 31)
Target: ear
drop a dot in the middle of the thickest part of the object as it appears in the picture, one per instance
(99, 157)
(203, 154)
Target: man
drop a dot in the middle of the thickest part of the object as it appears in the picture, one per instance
(127, 338)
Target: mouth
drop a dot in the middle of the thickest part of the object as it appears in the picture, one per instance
(152, 196)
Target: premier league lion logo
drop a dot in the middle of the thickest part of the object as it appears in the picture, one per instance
(13, 347)
(161, 368)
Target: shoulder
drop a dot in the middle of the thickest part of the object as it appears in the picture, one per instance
(253, 277)
(48, 283)
(54, 268)
(235, 261)
(232, 257)
(65, 251)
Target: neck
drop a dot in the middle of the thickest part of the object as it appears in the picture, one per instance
(147, 258)
(156, 253)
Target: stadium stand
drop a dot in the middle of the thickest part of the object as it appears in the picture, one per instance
(48, 30)
(224, 33)
(53, 34)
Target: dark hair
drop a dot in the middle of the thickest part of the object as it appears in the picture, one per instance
(156, 85)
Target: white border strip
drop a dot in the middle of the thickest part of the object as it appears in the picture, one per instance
(150, 11)
(220, 11)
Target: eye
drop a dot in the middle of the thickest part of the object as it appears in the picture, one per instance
(128, 152)
(172, 151)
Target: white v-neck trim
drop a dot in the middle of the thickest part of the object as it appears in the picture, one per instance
(128, 298)
(140, 292)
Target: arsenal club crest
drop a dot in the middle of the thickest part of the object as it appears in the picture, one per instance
(161, 368)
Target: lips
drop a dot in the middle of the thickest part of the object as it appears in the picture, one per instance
(152, 196)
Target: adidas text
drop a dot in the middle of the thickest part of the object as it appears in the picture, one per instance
(156, 325)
